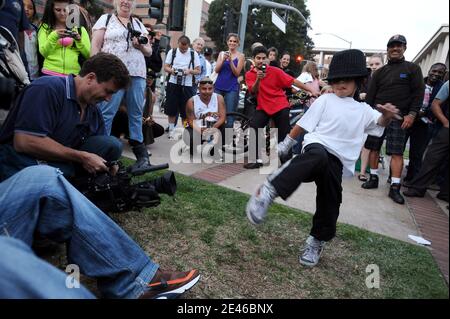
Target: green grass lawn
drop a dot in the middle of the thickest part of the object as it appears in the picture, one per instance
(205, 227)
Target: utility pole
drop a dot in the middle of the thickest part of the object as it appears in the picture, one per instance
(244, 15)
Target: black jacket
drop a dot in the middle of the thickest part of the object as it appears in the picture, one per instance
(400, 83)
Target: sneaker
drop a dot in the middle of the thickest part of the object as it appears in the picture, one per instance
(170, 284)
(371, 183)
(259, 203)
(258, 164)
(394, 194)
(171, 135)
(312, 252)
(412, 192)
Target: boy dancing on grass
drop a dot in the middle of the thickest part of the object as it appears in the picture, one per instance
(336, 125)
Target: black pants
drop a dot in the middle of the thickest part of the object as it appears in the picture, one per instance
(418, 141)
(281, 119)
(315, 164)
(435, 155)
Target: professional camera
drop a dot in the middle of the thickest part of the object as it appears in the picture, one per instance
(118, 194)
(136, 34)
(179, 73)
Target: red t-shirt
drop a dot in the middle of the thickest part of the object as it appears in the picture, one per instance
(271, 96)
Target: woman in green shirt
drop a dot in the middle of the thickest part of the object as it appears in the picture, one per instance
(61, 46)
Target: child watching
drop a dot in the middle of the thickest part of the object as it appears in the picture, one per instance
(335, 126)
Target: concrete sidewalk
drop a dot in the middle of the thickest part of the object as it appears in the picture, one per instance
(368, 209)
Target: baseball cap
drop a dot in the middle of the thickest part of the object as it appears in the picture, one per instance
(398, 38)
(208, 51)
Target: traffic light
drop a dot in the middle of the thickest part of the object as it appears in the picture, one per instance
(299, 58)
(176, 15)
(303, 32)
(156, 10)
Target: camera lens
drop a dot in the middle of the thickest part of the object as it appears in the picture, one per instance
(143, 40)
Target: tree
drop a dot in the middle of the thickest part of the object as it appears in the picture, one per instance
(261, 29)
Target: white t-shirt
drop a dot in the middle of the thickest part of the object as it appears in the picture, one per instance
(305, 77)
(208, 68)
(182, 61)
(115, 42)
(340, 125)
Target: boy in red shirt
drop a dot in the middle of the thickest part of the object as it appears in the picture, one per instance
(268, 83)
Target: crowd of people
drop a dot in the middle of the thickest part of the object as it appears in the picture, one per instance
(95, 83)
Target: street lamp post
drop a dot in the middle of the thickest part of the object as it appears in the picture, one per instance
(335, 35)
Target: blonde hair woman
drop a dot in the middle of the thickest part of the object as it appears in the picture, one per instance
(117, 34)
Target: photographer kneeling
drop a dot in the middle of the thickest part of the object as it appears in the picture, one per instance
(56, 121)
(206, 115)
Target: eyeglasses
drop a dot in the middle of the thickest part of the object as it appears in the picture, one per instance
(206, 82)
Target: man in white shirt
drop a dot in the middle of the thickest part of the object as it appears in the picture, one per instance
(182, 64)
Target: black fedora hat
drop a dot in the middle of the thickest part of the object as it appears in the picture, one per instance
(348, 64)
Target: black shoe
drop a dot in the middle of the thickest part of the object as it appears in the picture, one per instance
(371, 183)
(394, 194)
(413, 192)
(253, 165)
(442, 197)
(142, 159)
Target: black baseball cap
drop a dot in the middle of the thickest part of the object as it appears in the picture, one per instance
(208, 51)
(398, 38)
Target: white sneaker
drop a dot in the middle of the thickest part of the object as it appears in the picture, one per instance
(312, 252)
(171, 135)
(259, 203)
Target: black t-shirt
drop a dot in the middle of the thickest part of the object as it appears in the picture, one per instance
(13, 17)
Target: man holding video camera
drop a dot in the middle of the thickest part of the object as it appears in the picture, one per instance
(183, 64)
(55, 120)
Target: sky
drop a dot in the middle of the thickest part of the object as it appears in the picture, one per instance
(370, 24)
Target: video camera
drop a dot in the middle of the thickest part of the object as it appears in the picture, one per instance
(136, 34)
(117, 193)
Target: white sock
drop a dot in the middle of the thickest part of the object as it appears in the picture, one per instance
(171, 127)
(374, 171)
(395, 180)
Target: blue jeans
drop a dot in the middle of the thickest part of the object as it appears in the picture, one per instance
(231, 102)
(134, 98)
(39, 199)
(11, 162)
(34, 278)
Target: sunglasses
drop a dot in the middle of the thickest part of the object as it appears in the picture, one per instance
(207, 82)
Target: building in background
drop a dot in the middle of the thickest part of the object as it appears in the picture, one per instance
(434, 51)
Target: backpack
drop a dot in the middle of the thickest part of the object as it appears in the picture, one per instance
(11, 64)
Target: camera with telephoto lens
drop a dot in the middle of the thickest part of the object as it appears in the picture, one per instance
(136, 34)
(117, 193)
